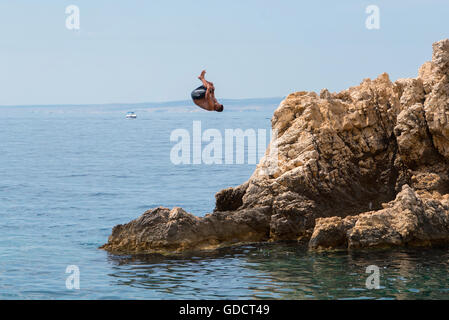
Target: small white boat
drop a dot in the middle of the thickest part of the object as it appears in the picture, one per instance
(131, 115)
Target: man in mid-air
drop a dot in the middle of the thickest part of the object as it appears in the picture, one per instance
(204, 96)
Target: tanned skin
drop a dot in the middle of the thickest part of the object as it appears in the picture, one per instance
(209, 102)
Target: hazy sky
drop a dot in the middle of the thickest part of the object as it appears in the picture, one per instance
(137, 51)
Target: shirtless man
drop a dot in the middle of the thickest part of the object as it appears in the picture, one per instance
(204, 96)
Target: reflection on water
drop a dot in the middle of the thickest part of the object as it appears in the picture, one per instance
(286, 271)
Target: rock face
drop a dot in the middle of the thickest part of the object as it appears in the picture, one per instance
(408, 220)
(366, 167)
(163, 230)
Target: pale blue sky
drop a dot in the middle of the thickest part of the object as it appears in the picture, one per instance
(138, 51)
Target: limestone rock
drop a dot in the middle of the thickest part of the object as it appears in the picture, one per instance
(163, 230)
(408, 220)
(365, 167)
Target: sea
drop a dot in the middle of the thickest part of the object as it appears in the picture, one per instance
(69, 174)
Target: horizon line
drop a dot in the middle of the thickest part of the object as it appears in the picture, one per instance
(131, 103)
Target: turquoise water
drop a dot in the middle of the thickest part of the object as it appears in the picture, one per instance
(69, 174)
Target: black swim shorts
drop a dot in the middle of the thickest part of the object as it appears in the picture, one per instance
(199, 93)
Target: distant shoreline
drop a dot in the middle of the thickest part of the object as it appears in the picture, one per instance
(176, 103)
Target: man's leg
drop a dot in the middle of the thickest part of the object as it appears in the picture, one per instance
(206, 83)
(203, 73)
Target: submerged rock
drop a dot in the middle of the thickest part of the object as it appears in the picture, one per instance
(366, 167)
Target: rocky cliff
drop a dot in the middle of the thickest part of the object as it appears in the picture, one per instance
(365, 167)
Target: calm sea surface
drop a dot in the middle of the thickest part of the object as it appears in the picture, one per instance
(69, 174)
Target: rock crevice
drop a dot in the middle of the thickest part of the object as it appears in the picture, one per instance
(365, 167)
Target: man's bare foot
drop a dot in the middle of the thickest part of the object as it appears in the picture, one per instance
(203, 73)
